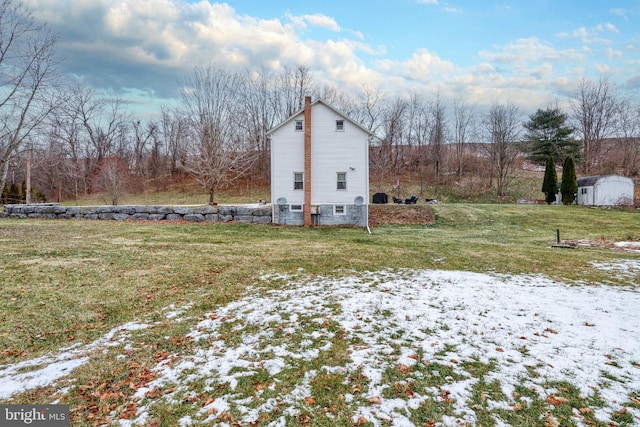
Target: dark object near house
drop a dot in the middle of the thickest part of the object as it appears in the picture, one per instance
(380, 198)
(397, 200)
(411, 201)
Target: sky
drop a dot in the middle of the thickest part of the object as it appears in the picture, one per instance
(531, 53)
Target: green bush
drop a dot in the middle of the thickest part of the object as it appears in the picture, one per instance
(550, 183)
(569, 186)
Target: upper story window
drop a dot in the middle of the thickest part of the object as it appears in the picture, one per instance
(298, 181)
(342, 181)
(298, 125)
(339, 125)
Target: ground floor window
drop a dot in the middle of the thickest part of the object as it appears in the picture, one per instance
(342, 180)
(298, 181)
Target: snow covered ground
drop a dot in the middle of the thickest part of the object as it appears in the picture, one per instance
(529, 331)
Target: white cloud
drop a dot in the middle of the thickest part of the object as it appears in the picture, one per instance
(319, 20)
(610, 27)
(591, 35)
(613, 53)
(150, 44)
(527, 51)
(422, 66)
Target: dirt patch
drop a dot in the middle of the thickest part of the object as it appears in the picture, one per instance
(400, 214)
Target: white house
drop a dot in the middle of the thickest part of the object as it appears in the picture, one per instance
(605, 190)
(319, 168)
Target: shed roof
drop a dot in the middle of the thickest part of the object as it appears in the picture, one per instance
(319, 101)
(590, 181)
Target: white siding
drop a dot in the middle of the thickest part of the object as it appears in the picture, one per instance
(331, 152)
(608, 190)
(585, 196)
(287, 157)
(613, 190)
(337, 151)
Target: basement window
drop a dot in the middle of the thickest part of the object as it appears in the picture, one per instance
(342, 181)
(339, 210)
(298, 181)
(298, 125)
(296, 208)
(339, 125)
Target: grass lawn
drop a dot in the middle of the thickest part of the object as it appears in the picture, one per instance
(136, 309)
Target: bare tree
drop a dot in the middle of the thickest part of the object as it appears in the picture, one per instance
(368, 111)
(339, 100)
(463, 116)
(216, 153)
(503, 126)
(261, 112)
(90, 129)
(112, 177)
(418, 128)
(27, 73)
(386, 154)
(293, 86)
(66, 139)
(437, 135)
(173, 131)
(629, 136)
(105, 124)
(142, 135)
(595, 106)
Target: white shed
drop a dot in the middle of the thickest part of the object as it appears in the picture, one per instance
(605, 190)
(319, 168)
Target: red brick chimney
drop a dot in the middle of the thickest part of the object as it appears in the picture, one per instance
(307, 161)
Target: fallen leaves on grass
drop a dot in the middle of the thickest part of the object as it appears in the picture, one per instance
(551, 421)
(556, 400)
(375, 400)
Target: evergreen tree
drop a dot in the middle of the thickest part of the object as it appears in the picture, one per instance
(548, 135)
(5, 195)
(14, 194)
(550, 183)
(569, 186)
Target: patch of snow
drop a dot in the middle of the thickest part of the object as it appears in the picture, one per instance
(581, 334)
(45, 370)
(585, 335)
(625, 268)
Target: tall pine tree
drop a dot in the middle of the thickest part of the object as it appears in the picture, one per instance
(550, 183)
(548, 135)
(569, 186)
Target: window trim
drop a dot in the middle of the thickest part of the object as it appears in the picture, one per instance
(336, 207)
(338, 181)
(300, 181)
(296, 207)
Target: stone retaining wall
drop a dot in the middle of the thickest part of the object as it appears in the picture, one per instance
(247, 214)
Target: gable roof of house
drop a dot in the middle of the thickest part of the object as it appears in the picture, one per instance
(318, 101)
(590, 181)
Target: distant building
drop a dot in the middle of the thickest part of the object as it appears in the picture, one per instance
(605, 190)
(319, 168)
